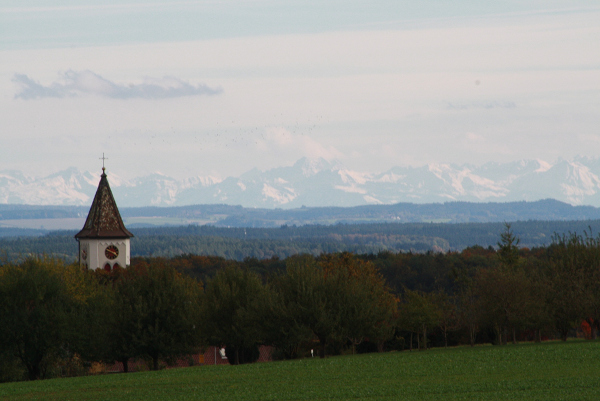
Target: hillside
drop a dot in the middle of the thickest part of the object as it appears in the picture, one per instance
(72, 217)
(549, 371)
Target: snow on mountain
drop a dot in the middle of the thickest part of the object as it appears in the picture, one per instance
(9, 182)
(68, 187)
(580, 183)
(318, 182)
(312, 167)
(279, 196)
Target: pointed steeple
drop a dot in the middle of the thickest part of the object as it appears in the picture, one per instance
(104, 220)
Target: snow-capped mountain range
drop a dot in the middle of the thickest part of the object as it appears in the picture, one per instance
(317, 182)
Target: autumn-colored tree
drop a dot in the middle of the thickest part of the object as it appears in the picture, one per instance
(367, 305)
(336, 298)
(571, 278)
(591, 269)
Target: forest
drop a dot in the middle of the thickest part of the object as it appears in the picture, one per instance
(59, 320)
(284, 241)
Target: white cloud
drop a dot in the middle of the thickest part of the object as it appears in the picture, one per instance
(470, 136)
(282, 140)
(74, 83)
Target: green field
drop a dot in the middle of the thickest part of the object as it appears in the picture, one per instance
(549, 371)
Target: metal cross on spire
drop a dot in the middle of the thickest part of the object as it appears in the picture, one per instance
(103, 158)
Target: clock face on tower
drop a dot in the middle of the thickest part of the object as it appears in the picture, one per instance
(111, 252)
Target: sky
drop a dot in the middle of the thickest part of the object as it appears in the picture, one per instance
(216, 88)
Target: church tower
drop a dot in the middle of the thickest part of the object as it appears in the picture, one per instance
(104, 240)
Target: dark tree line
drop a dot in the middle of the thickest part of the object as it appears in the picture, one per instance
(288, 240)
(55, 315)
(57, 319)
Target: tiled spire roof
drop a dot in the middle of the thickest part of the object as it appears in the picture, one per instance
(104, 220)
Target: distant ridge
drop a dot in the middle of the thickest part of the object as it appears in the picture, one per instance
(238, 216)
(320, 183)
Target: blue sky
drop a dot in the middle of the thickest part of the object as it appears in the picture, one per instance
(66, 23)
(219, 87)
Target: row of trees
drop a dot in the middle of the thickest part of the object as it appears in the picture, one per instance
(54, 314)
(56, 319)
(479, 294)
(512, 293)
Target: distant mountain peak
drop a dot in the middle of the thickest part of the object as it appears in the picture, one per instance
(543, 166)
(311, 166)
(321, 182)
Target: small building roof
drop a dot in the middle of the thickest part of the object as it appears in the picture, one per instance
(104, 220)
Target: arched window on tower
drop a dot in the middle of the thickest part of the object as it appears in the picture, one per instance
(107, 267)
(116, 267)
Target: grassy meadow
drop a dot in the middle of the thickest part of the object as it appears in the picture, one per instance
(548, 371)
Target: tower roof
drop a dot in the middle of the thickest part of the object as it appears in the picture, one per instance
(104, 220)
